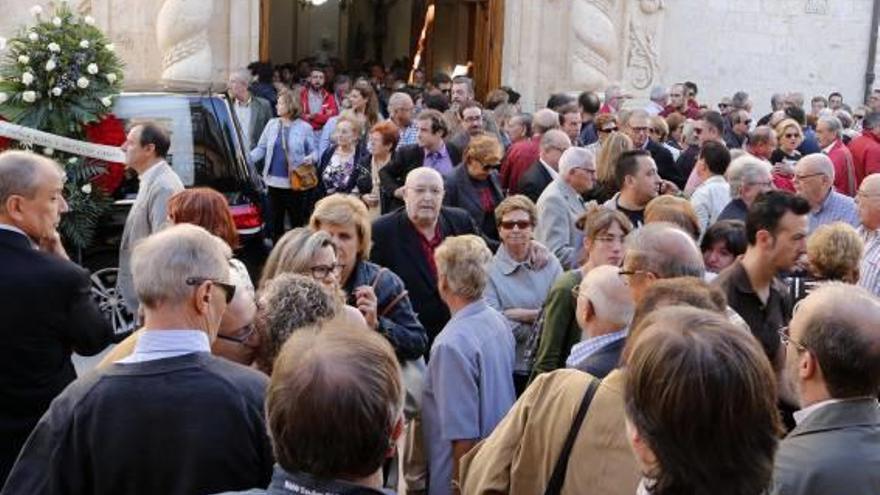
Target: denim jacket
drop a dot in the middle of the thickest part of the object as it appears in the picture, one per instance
(300, 145)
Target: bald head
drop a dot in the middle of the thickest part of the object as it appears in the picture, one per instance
(664, 250)
(544, 120)
(609, 298)
(868, 200)
(423, 196)
(22, 172)
(840, 325)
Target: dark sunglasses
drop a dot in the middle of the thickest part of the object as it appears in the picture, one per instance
(610, 129)
(792, 136)
(228, 289)
(510, 224)
(488, 167)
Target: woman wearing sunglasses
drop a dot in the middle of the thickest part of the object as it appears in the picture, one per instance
(789, 136)
(474, 184)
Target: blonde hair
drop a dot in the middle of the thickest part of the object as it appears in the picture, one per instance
(293, 253)
(343, 210)
(606, 161)
(463, 261)
(835, 251)
(483, 148)
(785, 124)
(514, 203)
(677, 211)
(294, 107)
(356, 121)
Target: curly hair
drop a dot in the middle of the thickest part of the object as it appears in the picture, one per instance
(834, 251)
(287, 303)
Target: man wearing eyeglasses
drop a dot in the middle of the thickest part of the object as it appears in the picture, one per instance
(130, 427)
(832, 349)
(814, 181)
(868, 200)
(637, 127)
(472, 124)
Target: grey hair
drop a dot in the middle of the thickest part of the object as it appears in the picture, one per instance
(871, 120)
(745, 169)
(603, 287)
(294, 251)
(544, 120)
(659, 93)
(20, 174)
(287, 303)
(162, 263)
(555, 138)
(463, 261)
(740, 100)
(834, 124)
(464, 80)
(666, 250)
(574, 157)
(819, 162)
(397, 99)
(846, 119)
(240, 75)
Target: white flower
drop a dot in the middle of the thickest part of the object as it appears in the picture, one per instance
(54, 48)
(56, 21)
(110, 47)
(33, 36)
(2, 43)
(92, 68)
(27, 78)
(56, 91)
(71, 160)
(3, 97)
(89, 20)
(111, 78)
(23, 59)
(48, 151)
(36, 10)
(29, 96)
(107, 101)
(82, 83)
(87, 188)
(50, 65)
(84, 44)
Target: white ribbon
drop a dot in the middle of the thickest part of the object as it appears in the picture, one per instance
(32, 136)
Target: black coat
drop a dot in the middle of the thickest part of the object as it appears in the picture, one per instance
(405, 159)
(461, 192)
(604, 360)
(47, 314)
(361, 157)
(666, 164)
(534, 180)
(396, 246)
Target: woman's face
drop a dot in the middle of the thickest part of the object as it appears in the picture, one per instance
(281, 108)
(480, 170)
(324, 268)
(718, 257)
(378, 146)
(791, 139)
(357, 101)
(347, 241)
(515, 229)
(607, 247)
(345, 134)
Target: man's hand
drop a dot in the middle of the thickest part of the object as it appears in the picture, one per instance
(367, 304)
(52, 244)
(669, 187)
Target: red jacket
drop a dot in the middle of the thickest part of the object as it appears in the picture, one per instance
(866, 155)
(519, 157)
(844, 169)
(690, 112)
(318, 116)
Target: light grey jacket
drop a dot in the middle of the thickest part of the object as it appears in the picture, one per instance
(148, 215)
(558, 209)
(836, 449)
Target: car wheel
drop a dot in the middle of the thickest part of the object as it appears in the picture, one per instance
(110, 301)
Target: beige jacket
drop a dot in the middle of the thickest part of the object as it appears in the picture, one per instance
(519, 456)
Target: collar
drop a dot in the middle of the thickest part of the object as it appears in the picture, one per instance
(507, 264)
(740, 279)
(831, 146)
(170, 341)
(294, 482)
(553, 173)
(437, 234)
(566, 189)
(440, 153)
(825, 202)
(470, 310)
(589, 346)
(246, 104)
(800, 416)
(13, 228)
(715, 178)
(866, 233)
(151, 173)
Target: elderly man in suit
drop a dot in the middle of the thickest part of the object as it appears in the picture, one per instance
(833, 360)
(541, 173)
(561, 204)
(251, 111)
(44, 299)
(145, 149)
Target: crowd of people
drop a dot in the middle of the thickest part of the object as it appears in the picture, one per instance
(465, 298)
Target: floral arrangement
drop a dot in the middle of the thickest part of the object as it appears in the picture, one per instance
(61, 75)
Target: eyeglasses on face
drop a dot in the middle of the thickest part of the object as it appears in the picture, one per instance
(588, 171)
(240, 336)
(801, 178)
(228, 289)
(785, 338)
(610, 239)
(762, 184)
(520, 224)
(791, 136)
(323, 271)
(627, 274)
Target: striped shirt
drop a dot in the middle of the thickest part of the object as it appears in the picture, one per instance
(869, 270)
(586, 348)
(836, 208)
(408, 135)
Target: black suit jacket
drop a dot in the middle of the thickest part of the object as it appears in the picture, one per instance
(534, 180)
(461, 192)
(47, 313)
(666, 164)
(396, 246)
(604, 360)
(405, 159)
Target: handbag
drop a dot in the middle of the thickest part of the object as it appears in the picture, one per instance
(302, 177)
(554, 485)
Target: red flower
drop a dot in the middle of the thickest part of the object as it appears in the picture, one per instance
(110, 131)
(4, 142)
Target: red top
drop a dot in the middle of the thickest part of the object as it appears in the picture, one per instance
(519, 158)
(428, 246)
(843, 166)
(318, 116)
(866, 155)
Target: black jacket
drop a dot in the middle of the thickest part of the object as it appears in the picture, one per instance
(604, 360)
(405, 159)
(396, 246)
(361, 157)
(666, 164)
(462, 193)
(47, 312)
(534, 180)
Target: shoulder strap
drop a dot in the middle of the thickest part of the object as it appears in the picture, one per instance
(391, 304)
(554, 486)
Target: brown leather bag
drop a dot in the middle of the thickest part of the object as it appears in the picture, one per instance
(304, 176)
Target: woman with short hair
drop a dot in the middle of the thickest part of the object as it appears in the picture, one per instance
(305, 252)
(383, 139)
(342, 164)
(834, 253)
(677, 211)
(789, 137)
(723, 243)
(474, 185)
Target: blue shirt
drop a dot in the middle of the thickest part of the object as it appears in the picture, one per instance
(278, 167)
(836, 208)
(586, 348)
(468, 386)
(439, 160)
(161, 344)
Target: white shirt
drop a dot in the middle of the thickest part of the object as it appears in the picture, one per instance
(709, 199)
(161, 344)
(800, 416)
(553, 173)
(243, 113)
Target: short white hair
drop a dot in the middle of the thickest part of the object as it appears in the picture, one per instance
(162, 263)
(659, 93)
(611, 299)
(745, 169)
(819, 162)
(574, 157)
(463, 261)
(834, 124)
(397, 99)
(240, 75)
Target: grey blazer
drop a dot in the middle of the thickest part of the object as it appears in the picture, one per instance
(261, 114)
(836, 449)
(148, 215)
(558, 209)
